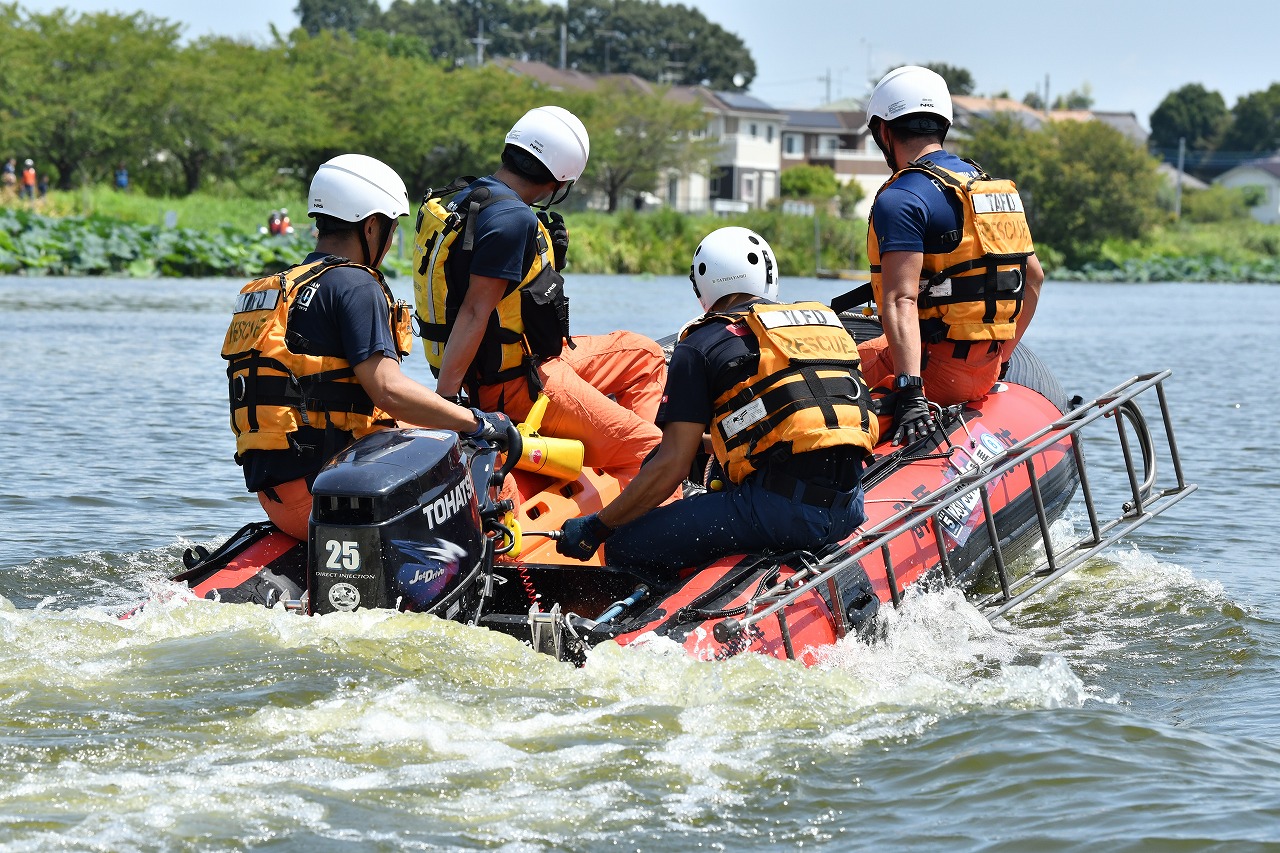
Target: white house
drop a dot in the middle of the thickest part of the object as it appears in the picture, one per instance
(744, 171)
(1263, 173)
(835, 139)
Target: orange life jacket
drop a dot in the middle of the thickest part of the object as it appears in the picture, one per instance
(807, 392)
(273, 390)
(974, 292)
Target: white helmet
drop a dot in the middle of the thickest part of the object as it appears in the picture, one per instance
(556, 137)
(907, 91)
(353, 187)
(733, 260)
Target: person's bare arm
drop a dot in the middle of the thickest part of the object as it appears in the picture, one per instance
(408, 401)
(659, 477)
(483, 295)
(1035, 278)
(900, 275)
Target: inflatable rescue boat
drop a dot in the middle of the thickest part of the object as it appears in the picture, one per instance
(410, 519)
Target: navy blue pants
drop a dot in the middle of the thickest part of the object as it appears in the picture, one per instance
(747, 518)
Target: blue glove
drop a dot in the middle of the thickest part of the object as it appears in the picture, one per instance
(493, 428)
(580, 537)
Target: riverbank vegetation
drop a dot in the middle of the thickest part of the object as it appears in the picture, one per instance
(101, 232)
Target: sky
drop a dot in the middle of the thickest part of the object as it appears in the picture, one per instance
(1129, 54)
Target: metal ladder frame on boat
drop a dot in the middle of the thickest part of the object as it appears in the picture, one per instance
(1145, 505)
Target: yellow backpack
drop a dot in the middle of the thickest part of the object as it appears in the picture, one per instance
(437, 258)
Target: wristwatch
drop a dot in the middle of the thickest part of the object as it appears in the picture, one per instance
(905, 380)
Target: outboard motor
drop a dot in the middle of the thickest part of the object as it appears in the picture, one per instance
(395, 523)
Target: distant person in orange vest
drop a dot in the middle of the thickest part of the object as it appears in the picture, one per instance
(273, 222)
(28, 180)
(285, 227)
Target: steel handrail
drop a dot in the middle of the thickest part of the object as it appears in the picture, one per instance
(773, 600)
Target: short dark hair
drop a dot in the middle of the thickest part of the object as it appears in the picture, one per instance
(933, 127)
(527, 166)
(326, 224)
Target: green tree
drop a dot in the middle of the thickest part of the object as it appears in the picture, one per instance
(1192, 113)
(349, 15)
(959, 80)
(817, 183)
(1255, 123)
(1197, 115)
(1076, 99)
(849, 195)
(218, 120)
(671, 44)
(1083, 182)
(81, 90)
(637, 137)
(1220, 204)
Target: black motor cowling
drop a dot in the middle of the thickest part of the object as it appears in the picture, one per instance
(394, 523)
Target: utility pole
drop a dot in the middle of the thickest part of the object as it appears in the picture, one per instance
(608, 36)
(564, 45)
(826, 78)
(480, 41)
(1177, 187)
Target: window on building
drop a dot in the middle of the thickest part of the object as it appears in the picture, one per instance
(752, 130)
(768, 133)
(749, 187)
(792, 143)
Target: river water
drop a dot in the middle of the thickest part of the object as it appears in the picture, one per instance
(1135, 706)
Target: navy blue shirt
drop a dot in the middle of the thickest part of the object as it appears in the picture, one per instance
(709, 361)
(506, 233)
(349, 318)
(914, 212)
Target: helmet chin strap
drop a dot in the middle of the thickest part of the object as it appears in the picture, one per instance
(886, 148)
(382, 244)
(553, 198)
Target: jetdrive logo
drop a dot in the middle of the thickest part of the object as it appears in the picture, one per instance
(449, 504)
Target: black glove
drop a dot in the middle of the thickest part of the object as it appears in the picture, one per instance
(559, 237)
(912, 419)
(580, 537)
(493, 428)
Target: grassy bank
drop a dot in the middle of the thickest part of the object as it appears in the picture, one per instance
(1238, 251)
(103, 232)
